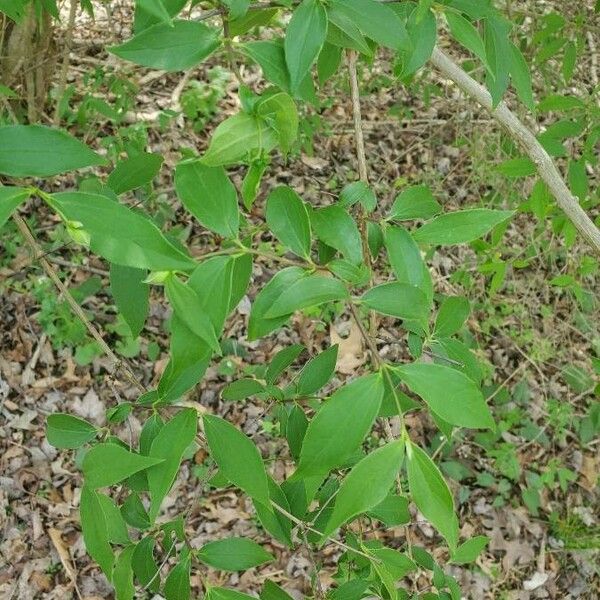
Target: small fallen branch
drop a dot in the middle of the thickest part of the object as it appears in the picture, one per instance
(527, 140)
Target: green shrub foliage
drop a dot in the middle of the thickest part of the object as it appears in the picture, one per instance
(326, 258)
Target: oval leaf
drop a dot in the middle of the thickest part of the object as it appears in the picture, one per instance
(400, 300)
(168, 446)
(66, 431)
(449, 393)
(237, 457)
(461, 226)
(107, 464)
(367, 484)
(339, 427)
(209, 195)
(38, 151)
(304, 39)
(170, 47)
(431, 494)
(287, 218)
(233, 554)
(307, 292)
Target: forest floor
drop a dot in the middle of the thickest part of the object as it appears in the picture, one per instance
(536, 341)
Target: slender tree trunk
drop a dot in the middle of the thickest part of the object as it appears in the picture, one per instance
(27, 61)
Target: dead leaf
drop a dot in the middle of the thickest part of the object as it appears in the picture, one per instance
(537, 580)
(589, 473)
(63, 554)
(351, 354)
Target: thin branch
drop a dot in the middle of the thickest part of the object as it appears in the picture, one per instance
(307, 527)
(118, 364)
(527, 140)
(358, 132)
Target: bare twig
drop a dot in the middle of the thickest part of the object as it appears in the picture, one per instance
(522, 134)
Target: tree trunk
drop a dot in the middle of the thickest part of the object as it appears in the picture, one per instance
(27, 61)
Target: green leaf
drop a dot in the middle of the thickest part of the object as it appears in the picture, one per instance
(156, 10)
(168, 447)
(517, 167)
(521, 77)
(453, 312)
(95, 531)
(287, 218)
(270, 55)
(66, 431)
(377, 21)
(406, 260)
(558, 103)
(237, 8)
(305, 36)
(239, 138)
(233, 554)
(190, 355)
(392, 511)
(134, 172)
(422, 31)
(397, 564)
(219, 593)
(115, 524)
(259, 324)
(461, 226)
(278, 525)
(10, 199)
(271, 591)
(213, 282)
(317, 372)
(336, 228)
(367, 484)
(340, 425)
(465, 33)
(253, 18)
(120, 234)
(176, 47)
(122, 578)
(106, 464)
(144, 566)
(242, 389)
(237, 457)
(295, 430)
(189, 308)
(415, 202)
(468, 551)
(449, 393)
(431, 494)
(498, 52)
(358, 192)
(328, 62)
(401, 300)
(343, 32)
(131, 295)
(209, 195)
(351, 590)
(278, 110)
(281, 361)
(305, 293)
(39, 151)
(177, 584)
(134, 513)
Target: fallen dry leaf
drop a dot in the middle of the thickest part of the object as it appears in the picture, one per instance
(351, 354)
